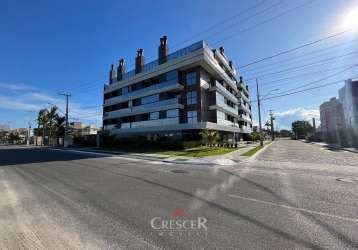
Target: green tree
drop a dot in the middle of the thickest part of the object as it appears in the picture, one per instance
(255, 136)
(51, 120)
(285, 133)
(209, 137)
(60, 127)
(302, 129)
(42, 122)
(13, 137)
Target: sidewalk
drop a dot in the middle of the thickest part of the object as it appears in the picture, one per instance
(224, 160)
(335, 147)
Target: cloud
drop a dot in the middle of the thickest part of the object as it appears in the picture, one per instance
(42, 97)
(285, 118)
(304, 113)
(12, 104)
(15, 86)
(27, 98)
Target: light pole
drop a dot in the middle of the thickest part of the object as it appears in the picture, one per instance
(259, 111)
(66, 142)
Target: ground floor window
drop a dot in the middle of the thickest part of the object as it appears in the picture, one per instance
(192, 116)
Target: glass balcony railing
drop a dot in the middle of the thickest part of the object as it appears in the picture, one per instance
(225, 91)
(173, 56)
(144, 90)
(150, 123)
(156, 104)
(143, 108)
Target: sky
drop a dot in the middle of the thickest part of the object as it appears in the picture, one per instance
(51, 47)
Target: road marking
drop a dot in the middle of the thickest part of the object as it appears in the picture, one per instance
(295, 208)
(108, 155)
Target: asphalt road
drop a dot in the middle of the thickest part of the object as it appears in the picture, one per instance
(294, 195)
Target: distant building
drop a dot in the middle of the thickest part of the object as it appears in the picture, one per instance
(89, 130)
(4, 127)
(348, 97)
(331, 115)
(178, 95)
(79, 129)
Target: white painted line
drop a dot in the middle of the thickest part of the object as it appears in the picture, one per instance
(295, 208)
(108, 155)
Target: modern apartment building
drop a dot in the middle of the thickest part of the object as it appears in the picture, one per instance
(348, 97)
(331, 116)
(177, 95)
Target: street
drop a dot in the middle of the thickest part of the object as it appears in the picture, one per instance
(293, 195)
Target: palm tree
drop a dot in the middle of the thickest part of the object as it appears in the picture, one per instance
(51, 120)
(60, 127)
(209, 137)
(42, 120)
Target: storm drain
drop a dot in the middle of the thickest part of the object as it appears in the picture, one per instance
(349, 180)
(179, 171)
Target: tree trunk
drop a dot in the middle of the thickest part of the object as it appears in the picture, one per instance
(43, 136)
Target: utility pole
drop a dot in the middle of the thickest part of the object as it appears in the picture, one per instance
(65, 143)
(29, 134)
(29, 128)
(259, 111)
(272, 118)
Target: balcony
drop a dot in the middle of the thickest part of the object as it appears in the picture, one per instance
(245, 118)
(173, 103)
(219, 87)
(154, 89)
(151, 66)
(225, 108)
(151, 123)
(227, 123)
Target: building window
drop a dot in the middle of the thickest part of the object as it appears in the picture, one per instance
(154, 116)
(125, 90)
(191, 78)
(192, 117)
(172, 113)
(150, 99)
(191, 97)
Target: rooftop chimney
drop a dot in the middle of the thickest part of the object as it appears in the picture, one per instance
(121, 70)
(139, 61)
(222, 50)
(163, 50)
(112, 74)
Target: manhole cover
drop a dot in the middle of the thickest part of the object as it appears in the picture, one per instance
(179, 171)
(349, 180)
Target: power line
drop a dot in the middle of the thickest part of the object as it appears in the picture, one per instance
(297, 48)
(276, 16)
(212, 27)
(309, 53)
(300, 75)
(294, 49)
(219, 23)
(265, 21)
(319, 63)
(321, 79)
(304, 90)
(248, 18)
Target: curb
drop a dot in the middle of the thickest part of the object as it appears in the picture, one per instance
(335, 147)
(136, 157)
(254, 157)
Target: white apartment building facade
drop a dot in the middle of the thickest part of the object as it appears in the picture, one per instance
(177, 95)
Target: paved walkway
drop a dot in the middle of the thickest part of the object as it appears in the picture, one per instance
(227, 159)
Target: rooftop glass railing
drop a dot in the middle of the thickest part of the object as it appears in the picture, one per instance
(173, 56)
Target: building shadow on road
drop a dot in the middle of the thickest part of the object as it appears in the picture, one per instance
(23, 155)
(229, 211)
(331, 230)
